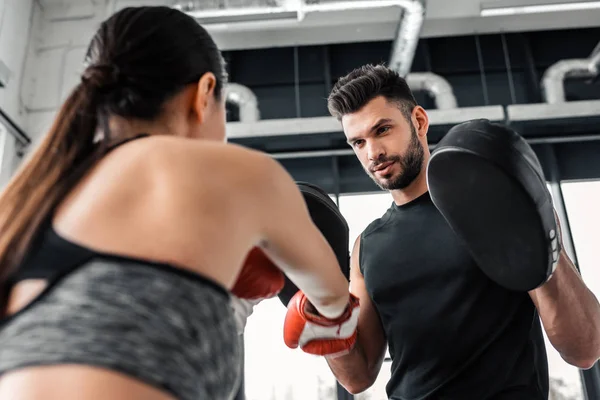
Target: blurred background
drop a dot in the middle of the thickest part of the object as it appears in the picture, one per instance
(532, 64)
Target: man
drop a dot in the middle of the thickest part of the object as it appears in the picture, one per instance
(452, 333)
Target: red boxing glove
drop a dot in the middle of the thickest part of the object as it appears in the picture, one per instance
(259, 278)
(315, 334)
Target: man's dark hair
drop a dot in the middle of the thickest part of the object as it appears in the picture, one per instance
(353, 91)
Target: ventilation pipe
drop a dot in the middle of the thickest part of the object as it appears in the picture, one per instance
(407, 35)
(404, 46)
(436, 86)
(554, 77)
(403, 53)
(408, 31)
(245, 100)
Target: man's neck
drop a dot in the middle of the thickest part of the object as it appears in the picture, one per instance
(411, 192)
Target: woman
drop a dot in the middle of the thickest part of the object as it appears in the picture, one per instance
(122, 234)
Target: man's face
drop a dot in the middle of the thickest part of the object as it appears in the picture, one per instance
(386, 144)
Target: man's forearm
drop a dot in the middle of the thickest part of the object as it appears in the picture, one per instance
(571, 315)
(352, 370)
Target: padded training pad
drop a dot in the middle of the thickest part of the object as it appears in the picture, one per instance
(489, 185)
(328, 218)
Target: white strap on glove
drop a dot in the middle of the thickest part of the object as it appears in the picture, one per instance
(242, 309)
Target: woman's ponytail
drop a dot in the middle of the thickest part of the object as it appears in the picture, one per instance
(45, 177)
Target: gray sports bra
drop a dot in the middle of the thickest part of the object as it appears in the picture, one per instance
(165, 326)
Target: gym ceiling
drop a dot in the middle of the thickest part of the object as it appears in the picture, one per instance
(532, 64)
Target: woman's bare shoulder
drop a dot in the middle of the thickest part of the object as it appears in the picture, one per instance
(187, 167)
(198, 152)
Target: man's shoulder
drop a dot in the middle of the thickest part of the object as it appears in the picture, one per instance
(378, 223)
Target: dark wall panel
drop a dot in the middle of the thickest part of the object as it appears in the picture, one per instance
(346, 57)
(313, 100)
(480, 75)
(552, 46)
(311, 64)
(318, 170)
(276, 101)
(579, 161)
(264, 67)
(493, 69)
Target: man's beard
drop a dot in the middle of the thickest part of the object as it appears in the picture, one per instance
(410, 163)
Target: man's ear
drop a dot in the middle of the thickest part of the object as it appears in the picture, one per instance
(421, 121)
(205, 90)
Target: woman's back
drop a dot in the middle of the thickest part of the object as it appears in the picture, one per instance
(141, 219)
(184, 197)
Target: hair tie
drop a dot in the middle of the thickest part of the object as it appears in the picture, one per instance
(101, 77)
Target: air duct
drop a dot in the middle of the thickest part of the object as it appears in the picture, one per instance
(405, 40)
(407, 36)
(436, 86)
(245, 100)
(407, 32)
(554, 77)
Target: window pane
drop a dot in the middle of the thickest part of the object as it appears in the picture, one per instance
(275, 372)
(362, 209)
(582, 201)
(565, 379)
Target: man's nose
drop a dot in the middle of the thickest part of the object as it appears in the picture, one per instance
(374, 151)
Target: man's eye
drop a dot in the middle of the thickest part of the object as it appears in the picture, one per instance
(357, 143)
(383, 129)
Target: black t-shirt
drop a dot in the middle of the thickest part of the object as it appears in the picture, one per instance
(452, 332)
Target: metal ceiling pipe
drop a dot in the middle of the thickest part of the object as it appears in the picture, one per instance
(596, 50)
(407, 32)
(407, 35)
(436, 86)
(553, 80)
(405, 40)
(595, 61)
(245, 100)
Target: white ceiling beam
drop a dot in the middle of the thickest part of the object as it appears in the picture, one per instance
(381, 25)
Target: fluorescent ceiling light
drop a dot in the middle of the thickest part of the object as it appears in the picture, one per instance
(243, 15)
(351, 5)
(294, 12)
(541, 8)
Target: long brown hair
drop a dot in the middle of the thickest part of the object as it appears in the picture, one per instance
(139, 58)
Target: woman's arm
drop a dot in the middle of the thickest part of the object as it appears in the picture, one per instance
(293, 242)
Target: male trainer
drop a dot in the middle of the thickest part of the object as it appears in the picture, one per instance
(452, 333)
